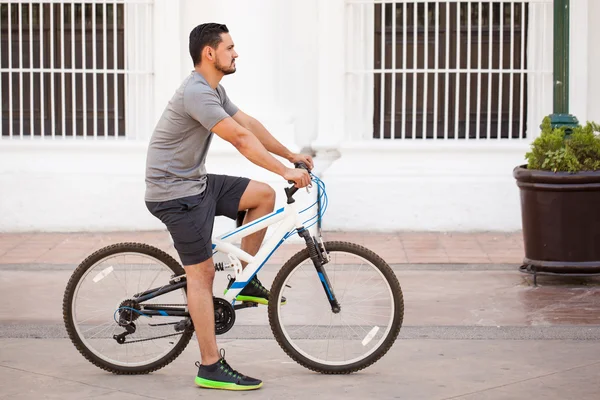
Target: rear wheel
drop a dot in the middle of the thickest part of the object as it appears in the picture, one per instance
(372, 309)
(100, 294)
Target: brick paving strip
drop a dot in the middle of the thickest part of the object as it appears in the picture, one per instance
(395, 248)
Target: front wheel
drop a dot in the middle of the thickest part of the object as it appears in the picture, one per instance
(371, 315)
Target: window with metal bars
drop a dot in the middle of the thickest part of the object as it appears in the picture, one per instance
(61, 69)
(460, 70)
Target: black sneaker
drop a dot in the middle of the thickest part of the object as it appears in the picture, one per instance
(221, 376)
(254, 292)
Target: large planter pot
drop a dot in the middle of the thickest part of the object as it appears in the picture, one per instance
(561, 220)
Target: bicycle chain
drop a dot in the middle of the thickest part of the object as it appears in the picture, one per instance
(152, 338)
(158, 337)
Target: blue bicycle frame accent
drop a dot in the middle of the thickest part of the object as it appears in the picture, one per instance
(291, 223)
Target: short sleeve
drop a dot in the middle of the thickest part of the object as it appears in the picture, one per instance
(228, 105)
(204, 105)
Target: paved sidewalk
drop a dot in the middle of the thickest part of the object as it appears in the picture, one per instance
(420, 369)
(474, 327)
(395, 248)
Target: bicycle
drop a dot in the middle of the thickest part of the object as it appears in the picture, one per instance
(118, 329)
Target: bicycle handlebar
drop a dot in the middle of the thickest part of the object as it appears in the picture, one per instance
(293, 189)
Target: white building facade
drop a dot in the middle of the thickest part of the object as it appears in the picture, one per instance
(416, 111)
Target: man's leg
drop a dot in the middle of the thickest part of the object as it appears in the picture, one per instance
(189, 221)
(200, 303)
(256, 199)
(259, 200)
(213, 371)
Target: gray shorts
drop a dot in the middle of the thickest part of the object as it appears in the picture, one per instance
(190, 219)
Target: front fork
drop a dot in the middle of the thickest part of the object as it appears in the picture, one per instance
(318, 257)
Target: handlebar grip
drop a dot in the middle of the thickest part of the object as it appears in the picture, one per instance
(290, 191)
(300, 165)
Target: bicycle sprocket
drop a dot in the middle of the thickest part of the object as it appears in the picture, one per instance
(224, 315)
(128, 311)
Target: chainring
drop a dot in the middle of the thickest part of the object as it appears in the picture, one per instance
(224, 315)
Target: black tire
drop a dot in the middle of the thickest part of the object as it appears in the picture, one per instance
(396, 324)
(68, 300)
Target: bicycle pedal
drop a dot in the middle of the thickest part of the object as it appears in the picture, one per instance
(245, 304)
(184, 325)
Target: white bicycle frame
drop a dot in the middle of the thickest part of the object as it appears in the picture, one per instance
(289, 218)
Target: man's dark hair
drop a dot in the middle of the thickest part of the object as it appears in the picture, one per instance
(208, 34)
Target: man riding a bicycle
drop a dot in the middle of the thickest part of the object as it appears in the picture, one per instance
(186, 198)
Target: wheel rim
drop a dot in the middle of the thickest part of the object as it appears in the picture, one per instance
(361, 336)
(98, 339)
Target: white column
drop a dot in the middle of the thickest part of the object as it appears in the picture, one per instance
(257, 29)
(578, 60)
(167, 53)
(594, 59)
(539, 53)
(331, 48)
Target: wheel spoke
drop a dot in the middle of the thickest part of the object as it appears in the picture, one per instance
(374, 315)
(368, 298)
(94, 315)
(104, 329)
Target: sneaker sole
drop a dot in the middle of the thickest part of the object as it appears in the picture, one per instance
(258, 300)
(208, 384)
(252, 299)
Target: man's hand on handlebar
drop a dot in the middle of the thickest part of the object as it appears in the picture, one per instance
(298, 176)
(301, 158)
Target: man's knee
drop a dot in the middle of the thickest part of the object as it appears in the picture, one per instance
(269, 196)
(258, 195)
(203, 272)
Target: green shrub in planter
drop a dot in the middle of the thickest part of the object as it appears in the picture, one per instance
(556, 151)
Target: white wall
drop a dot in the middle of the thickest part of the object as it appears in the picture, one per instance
(82, 186)
(421, 187)
(73, 186)
(290, 76)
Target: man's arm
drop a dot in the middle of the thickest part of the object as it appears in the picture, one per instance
(250, 146)
(268, 141)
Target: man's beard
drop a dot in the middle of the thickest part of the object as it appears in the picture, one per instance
(221, 68)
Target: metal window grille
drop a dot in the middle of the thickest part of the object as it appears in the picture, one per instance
(75, 69)
(444, 69)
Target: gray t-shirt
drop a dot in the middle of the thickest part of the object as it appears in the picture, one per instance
(180, 141)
